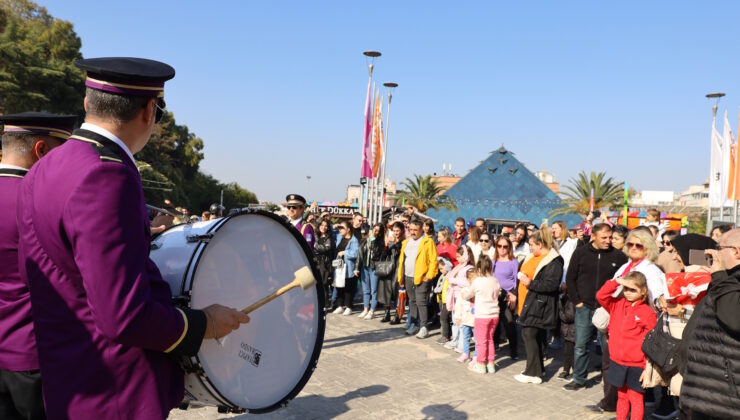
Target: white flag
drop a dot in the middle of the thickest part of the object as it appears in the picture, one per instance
(716, 199)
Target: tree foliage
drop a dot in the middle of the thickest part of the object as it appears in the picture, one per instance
(424, 193)
(577, 195)
(37, 72)
(170, 169)
(37, 55)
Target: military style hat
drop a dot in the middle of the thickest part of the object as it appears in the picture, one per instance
(294, 200)
(127, 75)
(40, 123)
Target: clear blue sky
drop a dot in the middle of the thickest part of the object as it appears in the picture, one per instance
(277, 89)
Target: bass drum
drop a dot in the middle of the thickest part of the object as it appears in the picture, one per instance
(235, 261)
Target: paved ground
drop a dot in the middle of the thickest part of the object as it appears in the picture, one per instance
(372, 370)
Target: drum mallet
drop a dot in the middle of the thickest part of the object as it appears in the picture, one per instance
(303, 278)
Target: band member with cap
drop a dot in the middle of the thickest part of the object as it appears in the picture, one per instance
(27, 137)
(296, 205)
(108, 334)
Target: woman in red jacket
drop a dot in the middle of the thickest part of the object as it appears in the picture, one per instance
(630, 319)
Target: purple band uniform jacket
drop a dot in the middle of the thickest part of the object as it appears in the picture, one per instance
(17, 342)
(103, 316)
(307, 231)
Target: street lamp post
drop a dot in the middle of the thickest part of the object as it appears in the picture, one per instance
(390, 86)
(716, 97)
(308, 184)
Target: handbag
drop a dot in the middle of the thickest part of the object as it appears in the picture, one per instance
(384, 268)
(601, 319)
(340, 272)
(661, 348)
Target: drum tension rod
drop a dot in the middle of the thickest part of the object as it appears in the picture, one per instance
(200, 238)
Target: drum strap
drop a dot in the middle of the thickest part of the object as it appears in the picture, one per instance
(303, 228)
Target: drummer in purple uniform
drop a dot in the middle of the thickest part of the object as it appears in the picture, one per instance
(108, 334)
(27, 137)
(296, 205)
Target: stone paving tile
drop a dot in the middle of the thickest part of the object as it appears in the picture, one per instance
(371, 370)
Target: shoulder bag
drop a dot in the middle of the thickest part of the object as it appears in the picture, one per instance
(661, 348)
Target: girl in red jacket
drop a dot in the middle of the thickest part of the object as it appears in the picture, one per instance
(630, 319)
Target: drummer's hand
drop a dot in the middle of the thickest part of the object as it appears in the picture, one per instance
(157, 229)
(223, 319)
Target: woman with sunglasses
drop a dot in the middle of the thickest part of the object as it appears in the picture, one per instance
(486, 245)
(347, 248)
(642, 251)
(324, 248)
(505, 268)
(371, 250)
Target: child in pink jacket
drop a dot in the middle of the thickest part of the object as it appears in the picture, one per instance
(485, 290)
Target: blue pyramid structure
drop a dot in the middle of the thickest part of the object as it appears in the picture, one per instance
(501, 187)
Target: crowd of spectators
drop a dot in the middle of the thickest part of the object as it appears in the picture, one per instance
(592, 289)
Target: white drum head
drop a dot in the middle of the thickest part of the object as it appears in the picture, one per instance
(268, 360)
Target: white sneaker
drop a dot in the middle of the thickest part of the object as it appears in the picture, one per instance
(363, 313)
(347, 311)
(369, 315)
(528, 379)
(339, 310)
(423, 333)
(450, 345)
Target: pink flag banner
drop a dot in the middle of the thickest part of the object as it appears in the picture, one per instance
(367, 165)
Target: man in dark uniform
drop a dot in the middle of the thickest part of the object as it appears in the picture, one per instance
(296, 205)
(105, 324)
(27, 137)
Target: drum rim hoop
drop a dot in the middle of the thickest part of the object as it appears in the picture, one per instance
(314, 359)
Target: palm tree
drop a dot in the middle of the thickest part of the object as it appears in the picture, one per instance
(424, 193)
(577, 196)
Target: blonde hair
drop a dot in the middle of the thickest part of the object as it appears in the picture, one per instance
(647, 241)
(445, 235)
(543, 237)
(640, 281)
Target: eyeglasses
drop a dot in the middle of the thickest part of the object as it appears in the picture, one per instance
(667, 243)
(635, 245)
(502, 246)
(293, 207)
(721, 247)
(159, 113)
(485, 240)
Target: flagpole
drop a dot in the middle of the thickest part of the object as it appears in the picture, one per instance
(717, 97)
(391, 87)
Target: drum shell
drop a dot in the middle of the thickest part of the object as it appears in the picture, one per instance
(178, 252)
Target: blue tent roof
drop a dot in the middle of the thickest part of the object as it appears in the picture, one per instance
(501, 187)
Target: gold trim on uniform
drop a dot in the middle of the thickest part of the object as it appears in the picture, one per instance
(184, 331)
(121, 85)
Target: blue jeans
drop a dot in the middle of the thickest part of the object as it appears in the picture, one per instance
(585, 332)
(369, 288)
(455, 337)
(467, 332)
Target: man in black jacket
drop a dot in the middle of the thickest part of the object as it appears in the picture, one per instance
(590, 267)
(711, 379)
